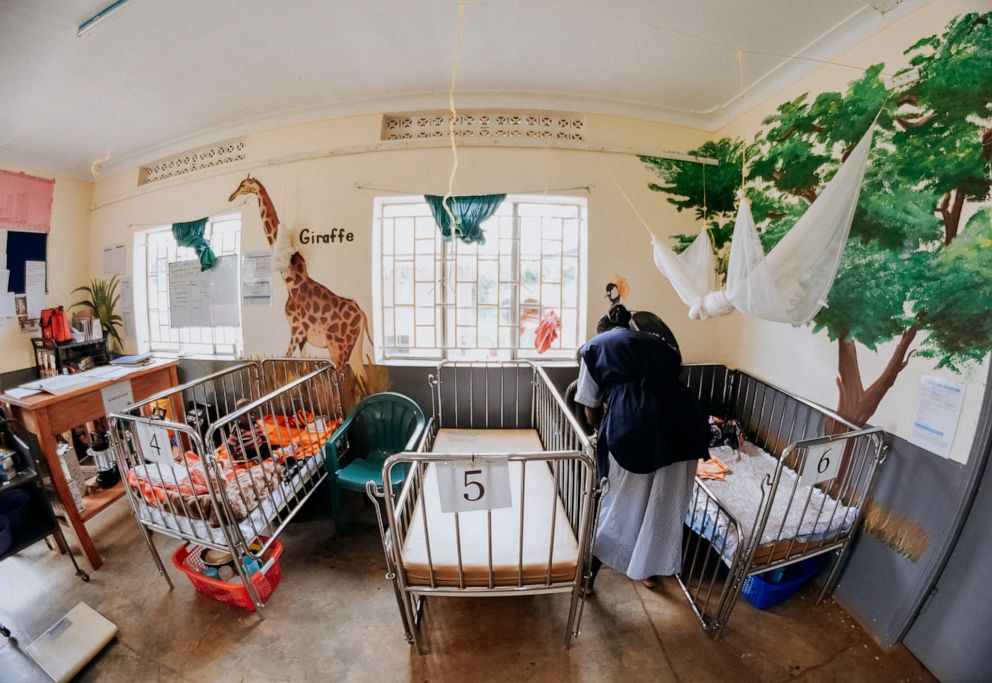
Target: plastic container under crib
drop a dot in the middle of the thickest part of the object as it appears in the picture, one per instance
(187, 559)
(775, 587)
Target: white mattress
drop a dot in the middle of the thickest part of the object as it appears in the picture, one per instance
(740, 493)
(255, 523)
(541, 506)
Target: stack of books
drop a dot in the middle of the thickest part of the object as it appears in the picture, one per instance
(139, 359)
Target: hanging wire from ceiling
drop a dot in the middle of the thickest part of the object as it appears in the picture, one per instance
(740, 76)
(453, 117)
(95, 166)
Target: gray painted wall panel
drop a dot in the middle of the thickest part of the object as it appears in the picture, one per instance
(879, 587)
(953, 634)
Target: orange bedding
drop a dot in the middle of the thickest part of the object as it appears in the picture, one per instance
(300, 431)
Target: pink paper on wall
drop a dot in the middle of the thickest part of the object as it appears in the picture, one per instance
(25, 202)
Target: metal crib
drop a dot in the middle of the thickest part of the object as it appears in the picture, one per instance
(790, 429)
(492, 396)
(175, 439)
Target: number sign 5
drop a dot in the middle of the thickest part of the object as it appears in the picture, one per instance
(822, 463)
(483, 484)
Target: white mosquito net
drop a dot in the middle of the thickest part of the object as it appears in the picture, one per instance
(791, 283)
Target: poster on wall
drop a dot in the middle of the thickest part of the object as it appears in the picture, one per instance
(936, 420)
(204, 298)
(256, 278)
(114, 260)
(127, 305)
(35, 274)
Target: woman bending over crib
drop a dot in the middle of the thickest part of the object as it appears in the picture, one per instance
(651, 432)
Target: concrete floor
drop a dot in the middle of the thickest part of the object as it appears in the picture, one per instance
(334, 618)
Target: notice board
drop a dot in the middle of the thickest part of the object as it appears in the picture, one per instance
(207, 298)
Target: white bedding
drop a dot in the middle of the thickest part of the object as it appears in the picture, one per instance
(541, 506)
(255, 523)
(740, 493)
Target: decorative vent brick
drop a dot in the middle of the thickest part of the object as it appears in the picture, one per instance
(510, 124)
(194, 160)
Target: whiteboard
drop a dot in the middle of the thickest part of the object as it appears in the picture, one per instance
(208, 298)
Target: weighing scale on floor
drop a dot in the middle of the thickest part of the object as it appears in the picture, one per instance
(71, 642)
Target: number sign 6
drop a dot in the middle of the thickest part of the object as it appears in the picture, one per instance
(483, 484)
(822, 463)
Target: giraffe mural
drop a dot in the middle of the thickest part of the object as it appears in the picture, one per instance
(315, 313)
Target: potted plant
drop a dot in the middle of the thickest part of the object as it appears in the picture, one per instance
(102, 300)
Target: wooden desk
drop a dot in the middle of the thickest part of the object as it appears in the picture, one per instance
(48, 415)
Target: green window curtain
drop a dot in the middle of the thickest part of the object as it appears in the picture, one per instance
(190, 234)
(469, 212)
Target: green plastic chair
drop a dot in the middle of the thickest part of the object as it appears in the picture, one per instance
(379, 426)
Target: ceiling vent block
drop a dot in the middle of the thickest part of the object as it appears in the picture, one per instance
(480, 124)
(211, 156)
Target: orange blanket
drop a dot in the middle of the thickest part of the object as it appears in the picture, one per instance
(712, 469)
(296, 435)
(300, 433)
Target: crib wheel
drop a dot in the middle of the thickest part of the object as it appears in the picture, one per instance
(4, 631)
(83, 575)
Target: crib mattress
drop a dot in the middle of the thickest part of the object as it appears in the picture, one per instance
(541, 507)
(740, 493)
(251, 526)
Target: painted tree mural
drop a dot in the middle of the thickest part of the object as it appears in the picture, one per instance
(918, 265)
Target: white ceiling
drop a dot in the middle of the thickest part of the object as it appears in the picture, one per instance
(156, 78)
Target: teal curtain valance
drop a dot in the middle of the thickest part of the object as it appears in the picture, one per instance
(469, 211)
(190, 234)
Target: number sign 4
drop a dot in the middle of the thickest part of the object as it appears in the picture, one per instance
(822, 462)
(482, 484)
(154, 443)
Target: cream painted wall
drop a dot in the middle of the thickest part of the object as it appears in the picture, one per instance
(319, 193)
(68, 263)
(795, 358)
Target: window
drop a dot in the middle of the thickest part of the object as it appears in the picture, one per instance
(154, 250)
(450, 300)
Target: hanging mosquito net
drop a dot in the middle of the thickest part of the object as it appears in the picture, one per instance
(790, 284)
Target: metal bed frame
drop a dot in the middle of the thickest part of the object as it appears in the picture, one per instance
(272, 387)
(786, 426)
(493, 396)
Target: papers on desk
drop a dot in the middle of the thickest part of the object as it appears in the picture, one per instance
(21, 392)
(61, 384)
(108, 373)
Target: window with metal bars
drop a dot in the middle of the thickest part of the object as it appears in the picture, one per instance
(154, 250)
(436, 299)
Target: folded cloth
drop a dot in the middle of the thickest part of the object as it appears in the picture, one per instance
(712, 469)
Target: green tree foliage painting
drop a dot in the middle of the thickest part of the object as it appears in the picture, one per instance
(917, 269)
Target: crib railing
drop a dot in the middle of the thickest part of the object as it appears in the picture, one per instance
(803, 437)
(179, 483)
(516, 395)
(483, 395)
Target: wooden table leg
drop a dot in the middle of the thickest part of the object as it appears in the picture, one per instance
(49, 445)
(60, 542)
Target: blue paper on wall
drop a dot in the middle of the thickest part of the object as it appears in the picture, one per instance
(22, 247)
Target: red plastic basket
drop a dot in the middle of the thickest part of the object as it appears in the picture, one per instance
(187, 560)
